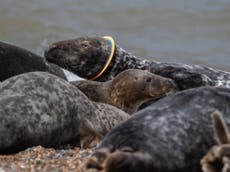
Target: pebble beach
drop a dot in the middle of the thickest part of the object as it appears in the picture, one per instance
(46, 159)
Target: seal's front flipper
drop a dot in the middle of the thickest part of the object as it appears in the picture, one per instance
(220, 128)
(89, 137)
(122, 160)
(218, 158)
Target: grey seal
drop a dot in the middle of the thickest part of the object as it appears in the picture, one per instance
(38, 108)
(128, 90)
(15, 60)
(171, 135)
(88, 57)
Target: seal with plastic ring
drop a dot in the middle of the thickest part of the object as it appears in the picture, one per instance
(112, 50)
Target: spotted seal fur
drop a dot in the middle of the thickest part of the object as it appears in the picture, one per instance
(39, 108)
(171, 135)
(86, 56)
(15, 60)
(128, 90)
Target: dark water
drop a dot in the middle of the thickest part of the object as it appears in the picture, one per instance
(193, 32)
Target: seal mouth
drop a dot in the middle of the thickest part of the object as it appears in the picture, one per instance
(170, 93)
(111, 55)
(163, 94)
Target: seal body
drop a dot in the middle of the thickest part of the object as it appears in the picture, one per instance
(15, 60)
(38, 108)
(83, 55)
(128, 90)
(171, 135)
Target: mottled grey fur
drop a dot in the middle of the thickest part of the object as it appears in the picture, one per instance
(171, 135)
(15, 60)
(186, 76)
(82, 60)
(38, 108)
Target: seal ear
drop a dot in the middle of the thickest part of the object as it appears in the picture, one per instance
(220, 128)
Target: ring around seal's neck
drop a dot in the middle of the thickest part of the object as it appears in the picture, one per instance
(121, 61)
(116, 59)
(111, 55)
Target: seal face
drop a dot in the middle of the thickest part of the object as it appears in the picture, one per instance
(85, 53)
(86, 60)
(15, 60)
(171, 135)
(38, 108)
(128, 90)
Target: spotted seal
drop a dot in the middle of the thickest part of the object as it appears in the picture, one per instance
(88, 57)
(171, 135)
(128, 90)
(39, 108)
(15, 60)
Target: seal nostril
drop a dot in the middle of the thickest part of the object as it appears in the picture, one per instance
(148, 80)
(173, 84)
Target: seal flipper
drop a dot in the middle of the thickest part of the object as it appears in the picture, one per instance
(123, 160)
(220, 128)
(218, 158)
(88, 136)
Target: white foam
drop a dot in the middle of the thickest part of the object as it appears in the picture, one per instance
(71, 76)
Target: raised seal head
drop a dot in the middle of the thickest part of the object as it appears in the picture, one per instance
(131, 88)
(89, 53)
(128, 90)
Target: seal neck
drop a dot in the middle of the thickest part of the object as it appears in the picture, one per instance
(108, 62)
(94, 90)
(123, 60)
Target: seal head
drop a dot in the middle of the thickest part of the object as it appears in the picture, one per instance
(128, 90)
(93, 54)
(133, 87)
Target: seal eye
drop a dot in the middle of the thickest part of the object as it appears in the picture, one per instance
(84, 45)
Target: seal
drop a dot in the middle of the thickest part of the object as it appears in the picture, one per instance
(38, 108)
(128, 90)
(218, 158)
(88, 57)
(171, 135)
(15, 60)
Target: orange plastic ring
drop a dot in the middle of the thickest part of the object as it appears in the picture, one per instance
(112, 42)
